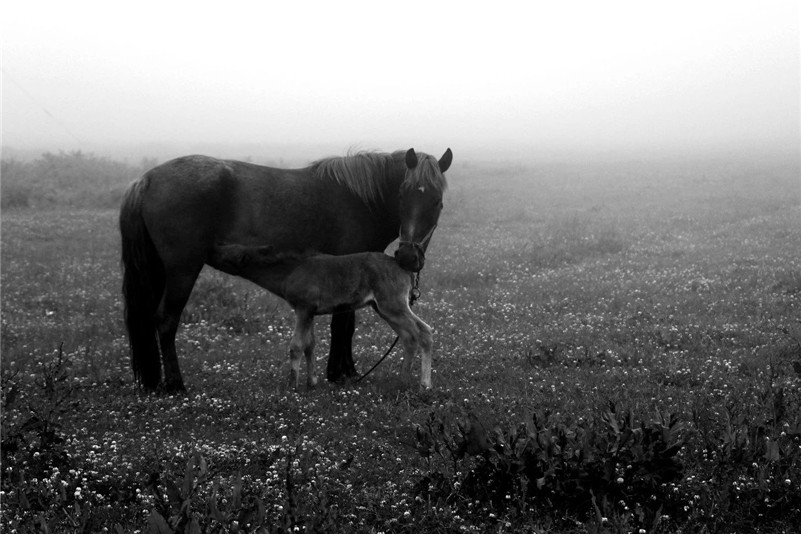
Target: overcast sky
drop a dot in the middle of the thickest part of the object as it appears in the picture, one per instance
(547, 75)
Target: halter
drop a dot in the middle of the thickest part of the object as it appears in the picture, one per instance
(418, 244)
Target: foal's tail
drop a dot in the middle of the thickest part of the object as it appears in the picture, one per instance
(142, 287)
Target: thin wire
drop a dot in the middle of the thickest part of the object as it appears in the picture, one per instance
(384, 357)
(40, 105)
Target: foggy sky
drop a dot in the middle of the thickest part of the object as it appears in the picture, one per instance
(566, 75)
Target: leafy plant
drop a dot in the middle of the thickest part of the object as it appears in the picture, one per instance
(613, 465)
(35, 429)
(201, 502)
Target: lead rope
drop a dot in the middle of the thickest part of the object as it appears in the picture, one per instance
(413, 296)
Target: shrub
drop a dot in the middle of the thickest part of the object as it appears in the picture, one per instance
(612, 467)
(15, 196)
(70, 179)
(34, 453)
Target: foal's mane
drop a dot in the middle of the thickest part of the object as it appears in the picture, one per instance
(363, 173)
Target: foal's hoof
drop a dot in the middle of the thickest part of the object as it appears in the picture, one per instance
(293, 383)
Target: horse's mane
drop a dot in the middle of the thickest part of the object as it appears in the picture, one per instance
(364, 173)
(360, 172)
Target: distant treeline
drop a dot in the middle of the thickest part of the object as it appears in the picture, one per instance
(73, 179)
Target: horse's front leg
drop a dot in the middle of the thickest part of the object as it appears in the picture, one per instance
(340, 357)
(311, 377)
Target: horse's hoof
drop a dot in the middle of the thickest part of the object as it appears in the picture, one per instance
(174, 388)
(340, 379)
(352, 373)
(333, 377)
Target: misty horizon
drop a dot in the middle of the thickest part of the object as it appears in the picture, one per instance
(319, 80)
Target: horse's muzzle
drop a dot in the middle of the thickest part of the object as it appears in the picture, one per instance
(410, 257)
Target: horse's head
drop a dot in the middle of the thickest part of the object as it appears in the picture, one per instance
(420, 205)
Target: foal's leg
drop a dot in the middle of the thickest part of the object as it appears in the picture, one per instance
(414, 334)
(425, 342)
(301, 344)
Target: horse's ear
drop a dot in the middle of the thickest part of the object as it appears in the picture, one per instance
(445, 161)
(411, 159)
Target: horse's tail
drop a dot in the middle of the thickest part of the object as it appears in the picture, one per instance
(142, 287)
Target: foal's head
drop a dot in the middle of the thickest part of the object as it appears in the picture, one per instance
(420, 205)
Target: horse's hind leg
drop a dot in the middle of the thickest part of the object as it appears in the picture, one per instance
(176, 292)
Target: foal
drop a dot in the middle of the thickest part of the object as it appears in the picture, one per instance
(320, 284)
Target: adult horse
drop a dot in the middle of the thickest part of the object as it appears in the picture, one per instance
(172, 217)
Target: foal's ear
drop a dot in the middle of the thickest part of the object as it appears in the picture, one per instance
(445, 161)
(411, 159)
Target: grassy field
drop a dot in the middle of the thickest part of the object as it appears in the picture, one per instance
(617, 349)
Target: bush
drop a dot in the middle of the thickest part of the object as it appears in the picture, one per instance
(612, 467)
(616, 473)
(70, 179)
(15, 196)
(34, 453)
